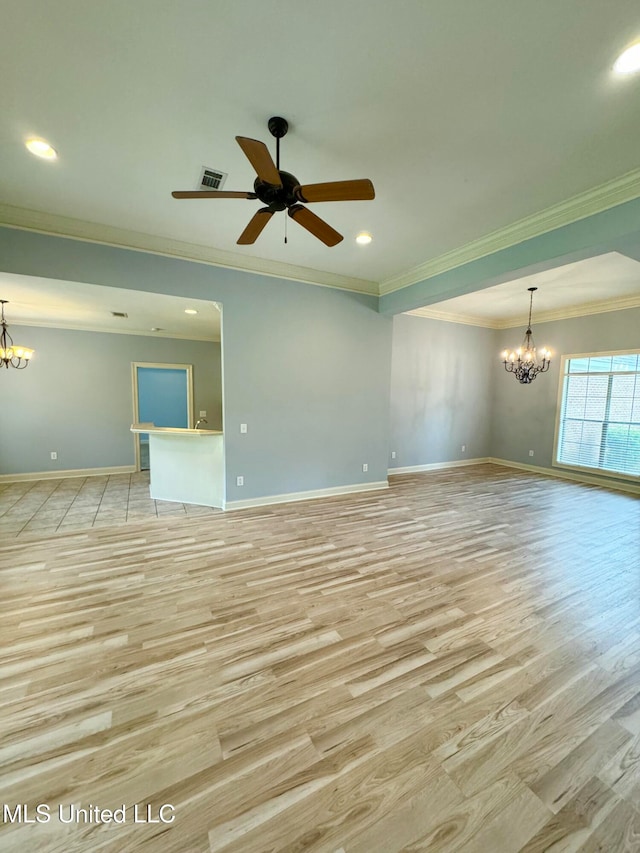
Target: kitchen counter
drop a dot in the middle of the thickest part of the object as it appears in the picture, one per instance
(143, 428)
(185, 465)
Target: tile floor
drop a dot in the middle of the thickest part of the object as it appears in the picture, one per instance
(43, 507)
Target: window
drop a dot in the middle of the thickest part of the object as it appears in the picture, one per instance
(599, 423)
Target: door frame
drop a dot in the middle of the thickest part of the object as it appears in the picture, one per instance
(165, 366)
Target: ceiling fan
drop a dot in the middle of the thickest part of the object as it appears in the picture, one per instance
(280, 190)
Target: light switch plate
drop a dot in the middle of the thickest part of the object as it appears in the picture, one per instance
(243, 427)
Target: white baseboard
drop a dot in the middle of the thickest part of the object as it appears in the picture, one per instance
(63, 475)
(576, 477)
(438, 466)
(290, 497)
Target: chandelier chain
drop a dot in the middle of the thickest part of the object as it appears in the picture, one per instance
(530, 306)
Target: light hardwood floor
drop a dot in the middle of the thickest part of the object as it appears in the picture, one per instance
(453, 664)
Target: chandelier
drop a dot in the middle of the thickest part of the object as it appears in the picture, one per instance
(11, 355)
(524, 363)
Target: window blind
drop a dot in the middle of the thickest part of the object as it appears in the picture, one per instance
(599, 425)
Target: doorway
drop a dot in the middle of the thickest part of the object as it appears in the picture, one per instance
(162, 395)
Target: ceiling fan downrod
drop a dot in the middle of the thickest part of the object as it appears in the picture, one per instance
(278, 127)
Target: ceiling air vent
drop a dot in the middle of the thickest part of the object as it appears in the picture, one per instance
(212, 179)
(119, 314)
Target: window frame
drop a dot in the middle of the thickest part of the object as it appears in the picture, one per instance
(603, 472)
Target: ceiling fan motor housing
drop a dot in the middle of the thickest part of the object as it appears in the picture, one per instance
(278, 198)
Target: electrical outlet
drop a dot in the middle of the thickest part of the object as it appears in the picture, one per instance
(531, 453)
(463, 448)
(54, 454)
(202, 414)
(239, 481)
(393, 454)
(243, 427)
(365, 467)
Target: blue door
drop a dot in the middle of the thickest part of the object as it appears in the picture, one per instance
(162, 396)
(163, 399)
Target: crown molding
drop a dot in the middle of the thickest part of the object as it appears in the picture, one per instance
(108, 235)
(607, 195)
(620, 304)
(447, 317)
(602, 307)
(78, 327)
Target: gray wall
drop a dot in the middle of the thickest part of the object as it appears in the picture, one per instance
(306, 367)
(524, 416)
(440, 391)
(448, 387)
(76, 396)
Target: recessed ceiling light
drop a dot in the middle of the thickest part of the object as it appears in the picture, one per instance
(629, 60)
(364, 238)
(190, 311)
(41, 148)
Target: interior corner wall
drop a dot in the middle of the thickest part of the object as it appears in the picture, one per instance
(305, 367)
(440, 391)
(524, 416)
(76, 396)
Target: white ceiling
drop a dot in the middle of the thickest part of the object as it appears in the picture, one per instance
(466, 116)
(74, 305)
(603, 283)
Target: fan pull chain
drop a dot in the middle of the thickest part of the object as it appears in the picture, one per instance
(285, 229)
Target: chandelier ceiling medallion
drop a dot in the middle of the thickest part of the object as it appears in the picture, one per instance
(11, 355)
(524, 363)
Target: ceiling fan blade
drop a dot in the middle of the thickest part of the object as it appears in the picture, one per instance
(316, 226)
(259, 157)
(212, 194)
(360, 190)
(255, 226)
